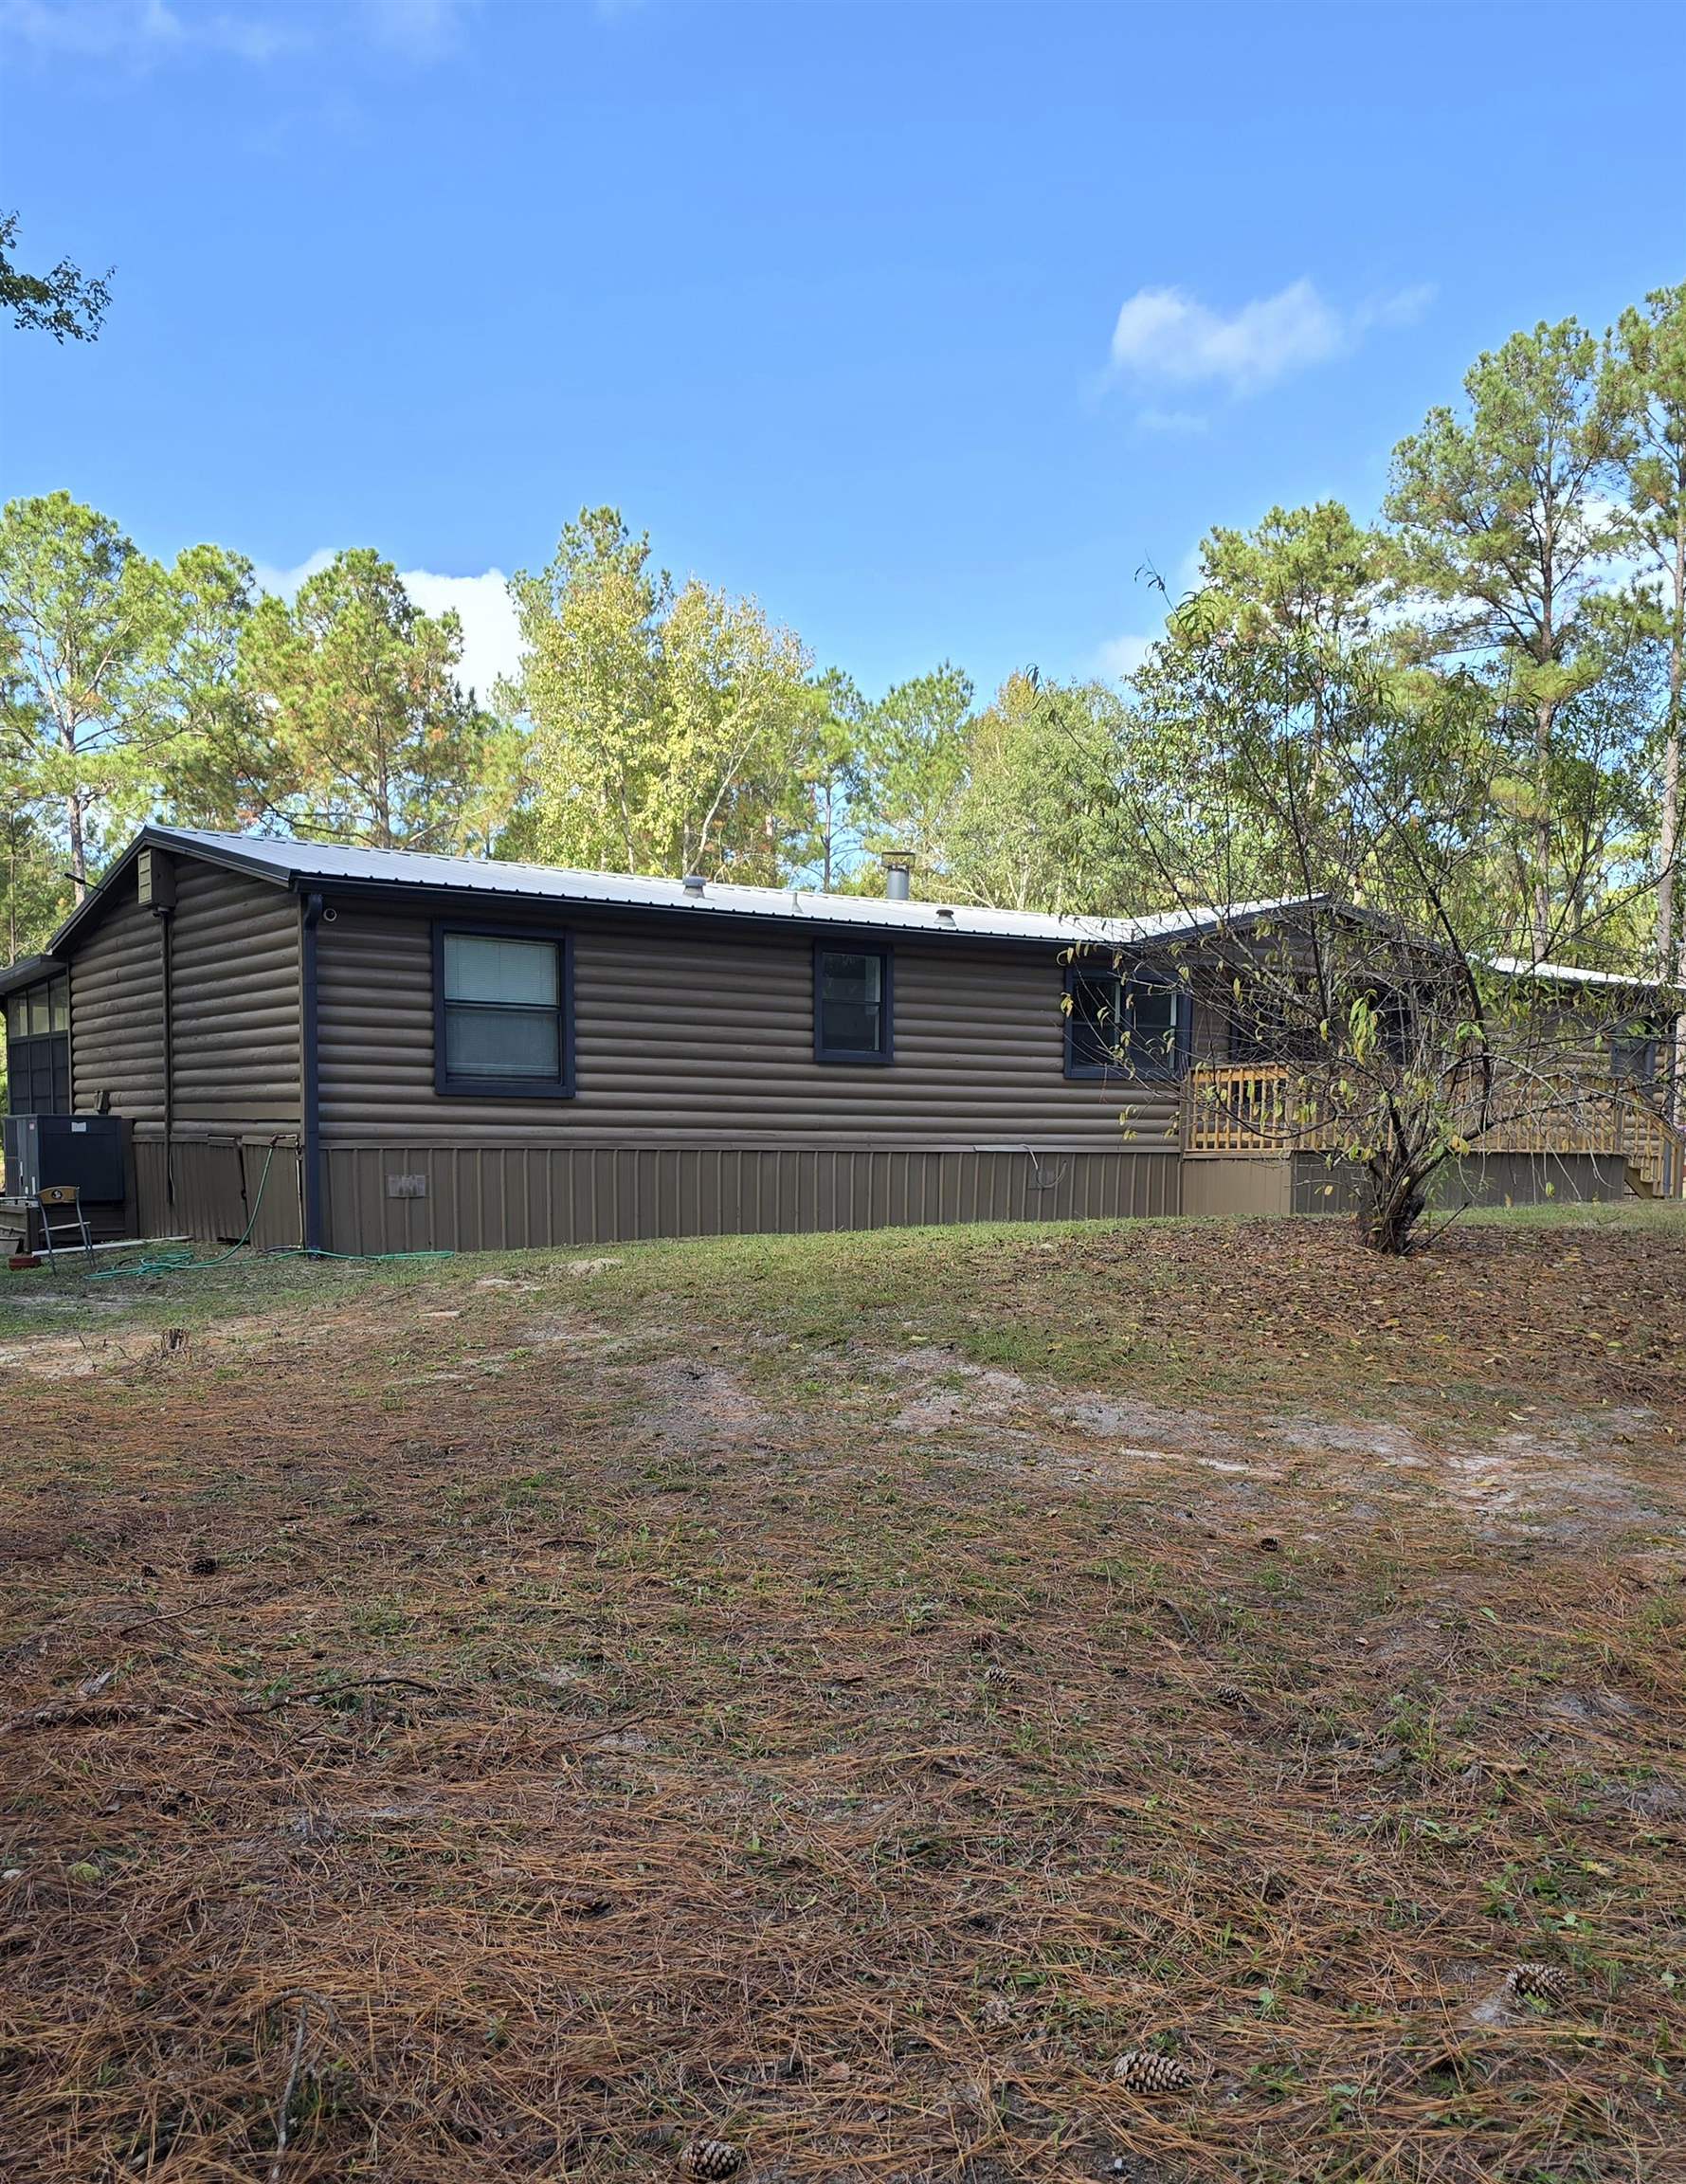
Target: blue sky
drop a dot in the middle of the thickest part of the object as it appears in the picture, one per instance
(929, 325)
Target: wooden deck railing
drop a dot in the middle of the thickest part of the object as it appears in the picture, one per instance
(1653, 1146)
(1263, 1110)
(1254, 1108)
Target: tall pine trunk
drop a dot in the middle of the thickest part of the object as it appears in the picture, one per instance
(1540, 908)
(1671, 926)
(75, 827)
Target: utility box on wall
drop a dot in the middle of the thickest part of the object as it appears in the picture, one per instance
(86, 1150)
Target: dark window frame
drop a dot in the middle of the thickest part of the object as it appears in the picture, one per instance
(1167, 1069)
(855, 1057)
(1645, 1044)
(1255, 1045)
(457, 1086)
(32, 1056)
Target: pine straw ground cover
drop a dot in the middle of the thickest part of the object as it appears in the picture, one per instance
(501, 1720)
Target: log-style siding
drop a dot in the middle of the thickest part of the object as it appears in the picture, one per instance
(116, 1013)
(235, 991)
(234, 996)
(709, 1040)
(698, 1108)
(234, 1004)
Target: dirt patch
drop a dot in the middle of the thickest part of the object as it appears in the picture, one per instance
(846, 1748)
(104, 1349)
(697, 1410)
(947, 1390)
(1539, 1482)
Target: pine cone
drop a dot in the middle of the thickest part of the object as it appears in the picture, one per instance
(1229, 1695)
(1144, 2070)
(1537, 1983)
(709, 2158)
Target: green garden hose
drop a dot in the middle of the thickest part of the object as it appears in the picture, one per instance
(184, 1262)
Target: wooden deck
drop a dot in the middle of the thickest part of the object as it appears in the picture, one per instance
(1264, 1111)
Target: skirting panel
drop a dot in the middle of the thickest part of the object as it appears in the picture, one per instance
(1239, 1189)
(1322, 1186)
(210, 1189)
(495, 1199)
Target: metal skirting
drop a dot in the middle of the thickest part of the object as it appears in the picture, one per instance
(511, 1197)
(1238, 1186)
(210, 1189)
(1242, 1187)
(1322, 1185)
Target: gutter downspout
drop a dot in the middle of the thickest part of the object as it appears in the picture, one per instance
(311, 1086)
(165, 916)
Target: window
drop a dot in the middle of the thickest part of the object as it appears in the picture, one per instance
(852, 1005)
(502, 1013)
(38, 1048)
(1267, 1026)
(1633, 1057)
(1275, 1026)
(1117, 1025)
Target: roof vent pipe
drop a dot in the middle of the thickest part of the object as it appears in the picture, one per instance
(899, 876)
(695, 883)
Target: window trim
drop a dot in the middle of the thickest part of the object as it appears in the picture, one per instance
(1175, 1065)
(24, 1050)
(847, 1057)
(461, 1087)
(1636, 1036)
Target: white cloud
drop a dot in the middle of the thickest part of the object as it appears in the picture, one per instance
(491, 638)
(139, 31)
(1118, 658)
(420, 31)
(1403, 308)
(1167, 335)
(286, 582)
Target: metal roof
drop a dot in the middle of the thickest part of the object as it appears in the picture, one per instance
(289, 862)
(1565, 973)
(27, 970)
(293, 864)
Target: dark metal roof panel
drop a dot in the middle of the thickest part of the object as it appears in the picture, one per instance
(27, 970)
(324, 865)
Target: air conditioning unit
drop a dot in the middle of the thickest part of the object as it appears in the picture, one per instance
(86, 1150)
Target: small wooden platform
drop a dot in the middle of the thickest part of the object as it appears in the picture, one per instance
(20, 1226)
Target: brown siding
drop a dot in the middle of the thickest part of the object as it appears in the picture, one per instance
(235, 1005)
(710, 1040)
(116, 1012)
(235, 990)
(502, 1196)
(1209, 1034)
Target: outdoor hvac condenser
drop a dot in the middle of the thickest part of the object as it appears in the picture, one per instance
(86, 1150)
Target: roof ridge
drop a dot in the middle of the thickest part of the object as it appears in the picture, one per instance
(289, 860)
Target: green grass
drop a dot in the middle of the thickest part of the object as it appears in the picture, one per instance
(817, 1287)
(1624, 1216)
(1074, 1300)
(961, 1755)
(45, 1302)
